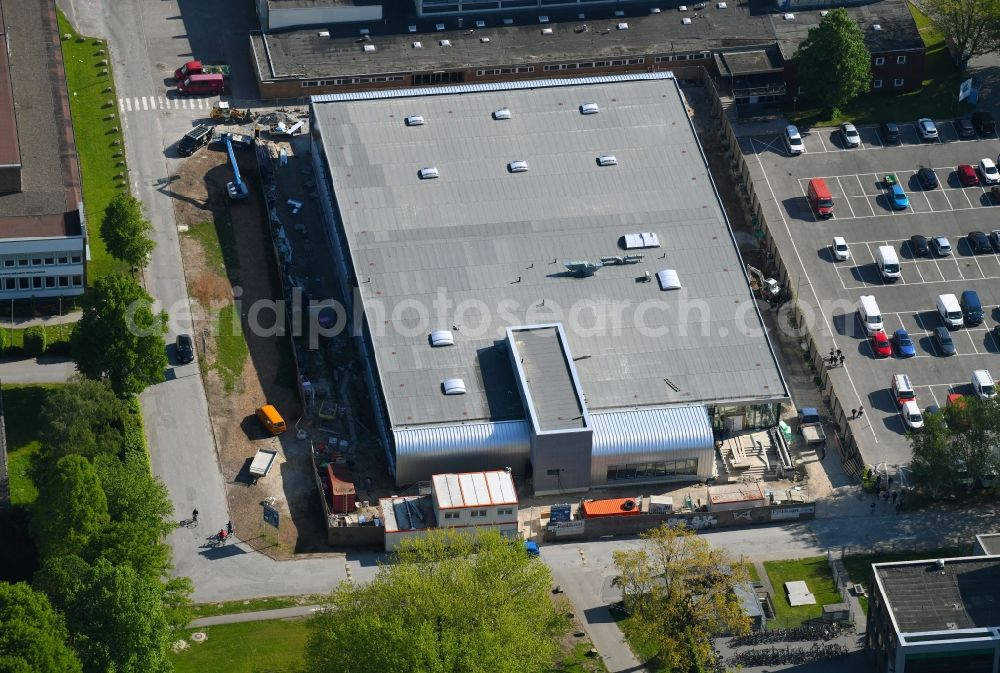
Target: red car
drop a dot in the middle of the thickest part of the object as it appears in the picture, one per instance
(967, 175)
(881, 345)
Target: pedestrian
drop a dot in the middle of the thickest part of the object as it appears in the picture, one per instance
(229, 527)
(899, 506)
(894, 495)
(873, 508)
(878, 483)
(841, 363)
(194, 515)
(861, 410)
(822, 452)
(854, 414)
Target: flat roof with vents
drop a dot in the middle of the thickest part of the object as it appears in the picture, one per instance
(495, 245)
(545, 367)
(959, 593)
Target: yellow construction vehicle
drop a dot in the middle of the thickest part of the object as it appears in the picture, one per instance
(224, 112)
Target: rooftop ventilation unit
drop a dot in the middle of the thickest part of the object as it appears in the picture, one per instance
(502, 113)
(583, 269)
(589, 109)
(369, 48)
(364, 31)
(418, 45)
(622, 26)
(668, 279)
(442, 337)
(508, 22)
(644, 240)
(415, 120)
(484, 40)
(543, 19)
(788, 16)
(546, 31)
(518, 166)
(429, 173)
(607, 160)
(682, 8)
(445, 43)
(824, 12)
(480, 24)
(876, 26)
(654, 10)
(324, 33)
(453, 386)
(721, 5)
(411, 28)
(438, 26)
(619, 13)
(686, 21)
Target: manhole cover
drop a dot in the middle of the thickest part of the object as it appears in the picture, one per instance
(199, 636)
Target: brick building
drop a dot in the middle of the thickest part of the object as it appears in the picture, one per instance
(746, 45)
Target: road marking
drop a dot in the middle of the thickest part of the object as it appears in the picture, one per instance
(812, 287)
(867, 202)
(847, 199)
(161, 102)
(818, 135)
(121, 106)
(136, 104)
(145, 104)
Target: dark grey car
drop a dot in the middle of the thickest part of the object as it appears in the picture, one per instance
(184, 348)
(942, 337)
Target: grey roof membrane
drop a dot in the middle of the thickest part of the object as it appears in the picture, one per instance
(307, 53)
(482, 249)
(548, 378)
(922, 597)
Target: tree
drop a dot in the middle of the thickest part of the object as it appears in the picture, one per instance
(83, 417)
(118, 621)
(833, 64)
(449, 603)
(119, 338)
(126, 231)
(973, 26)
(34, 340)
(32, 635)
(71, 508)
(958, 446)
(681, 593)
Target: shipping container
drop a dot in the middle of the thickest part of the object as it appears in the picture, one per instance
(341, 494)
(593, 509)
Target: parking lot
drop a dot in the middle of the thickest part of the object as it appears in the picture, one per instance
(864, 216)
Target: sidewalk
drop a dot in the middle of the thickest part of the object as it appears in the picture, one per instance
(48, 321)
(259, 616)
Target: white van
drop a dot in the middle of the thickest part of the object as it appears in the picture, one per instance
(950, 311)
(911, 415)
(902, 390)
(887, 262)
(982, 384)
(871, 317)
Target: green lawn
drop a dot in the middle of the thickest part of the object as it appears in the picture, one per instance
(232, 347)
(218, 241)
(22, 405)
(936, 97)
(250, 647)
(817, 576)
(859, 565)
(752, 571)
(643, 650)
(89, 95)
(277, 645)
(56, 336)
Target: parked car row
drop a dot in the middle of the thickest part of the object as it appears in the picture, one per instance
(902, 392)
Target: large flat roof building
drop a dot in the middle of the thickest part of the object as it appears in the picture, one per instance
(43, 236)
(743, 43)
(551, 325)
(935, 616)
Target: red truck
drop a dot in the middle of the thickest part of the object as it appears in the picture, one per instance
(202, 85)
(199, 68)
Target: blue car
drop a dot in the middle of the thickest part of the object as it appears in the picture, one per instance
(899, 199)
(904, 345)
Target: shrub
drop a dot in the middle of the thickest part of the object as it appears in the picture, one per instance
(34, 341)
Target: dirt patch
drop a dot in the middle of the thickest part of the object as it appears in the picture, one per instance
(201, 204)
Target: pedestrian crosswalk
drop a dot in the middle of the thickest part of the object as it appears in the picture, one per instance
(146, 103)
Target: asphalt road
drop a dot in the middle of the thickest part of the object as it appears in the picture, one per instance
(863, 215)
(37, 370)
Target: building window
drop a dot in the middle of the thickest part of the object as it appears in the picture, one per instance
(879, 60)
(900, 60)
(452, 515)
(897, 82)
(310, 83)
(505, 511)
(50, 281)
(10, 283)
(76, 259)
(64, 260)
(877, 84)
(50, 260)
(478, 513)
(36, 282)
(654, 470)
(22, 261)
(438, 78)
(36, 261)
(23, 283)
(63, 281)
(77, 281)
(10, 261)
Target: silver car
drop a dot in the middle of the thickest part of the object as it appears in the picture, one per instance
(928, 131)
(850, 134)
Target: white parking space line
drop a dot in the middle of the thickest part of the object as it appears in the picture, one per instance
(847, 199)
(972, 341)
(145, 103)
(820, 137)
(862, 186)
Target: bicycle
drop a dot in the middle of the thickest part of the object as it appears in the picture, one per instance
(189, 523)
